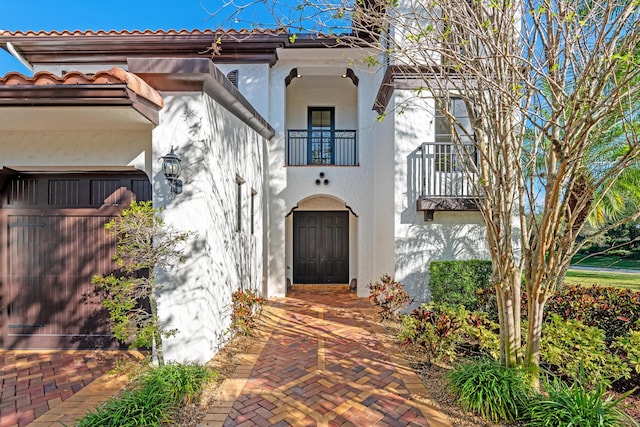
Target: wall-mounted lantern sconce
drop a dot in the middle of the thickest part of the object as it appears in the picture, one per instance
(171, 169)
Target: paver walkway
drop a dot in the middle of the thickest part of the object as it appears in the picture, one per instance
(321, 360)
(51, 386)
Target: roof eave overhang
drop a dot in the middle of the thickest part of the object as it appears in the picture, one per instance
(78, 95)
(116, 47)
(413, 78)
(199, 74)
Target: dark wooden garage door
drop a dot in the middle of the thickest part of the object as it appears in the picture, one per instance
(320, 247)
(53, 243)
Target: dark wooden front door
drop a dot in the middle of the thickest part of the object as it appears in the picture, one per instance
(53, 243)
(321, 247)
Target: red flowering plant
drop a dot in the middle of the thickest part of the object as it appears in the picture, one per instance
(390, 296)
(246, 308)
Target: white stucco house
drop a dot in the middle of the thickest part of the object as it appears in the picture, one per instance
(288, 176)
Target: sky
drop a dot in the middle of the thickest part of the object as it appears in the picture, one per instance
(51, 15)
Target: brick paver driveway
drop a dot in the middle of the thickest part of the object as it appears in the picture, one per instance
(34, 382)
(321, 362)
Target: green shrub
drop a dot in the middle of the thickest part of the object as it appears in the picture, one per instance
(630, 345)
(487, 302)
(577, 406)
(456, 282)
(440, 329)
(390, 296)
(245, 309)
(488, 388)
(485, 333)
(613, 310)
(569, 346)
(435, 329)
(152, 398)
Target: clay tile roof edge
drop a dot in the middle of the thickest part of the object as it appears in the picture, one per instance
(113, 76)
(32, 33)
(47, 78)
(138, 85)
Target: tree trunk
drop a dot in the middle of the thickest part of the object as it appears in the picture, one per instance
(508, 296)
(535, 306)
(157, 337)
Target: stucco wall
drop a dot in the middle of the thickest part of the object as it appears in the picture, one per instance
(452, 235)
(349, 185)
(253, 83)
(216, 148)
(66, 149)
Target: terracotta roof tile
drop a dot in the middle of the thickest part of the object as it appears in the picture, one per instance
(47, 78)
(137, 85)
(113, 76)
(19, 33)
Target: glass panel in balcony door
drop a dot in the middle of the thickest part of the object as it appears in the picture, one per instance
(321, 128)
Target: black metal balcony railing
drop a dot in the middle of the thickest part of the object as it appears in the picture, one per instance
(440, 171)
(322, 147)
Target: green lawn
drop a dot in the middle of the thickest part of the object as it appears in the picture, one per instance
(620, 280)
(605, 262)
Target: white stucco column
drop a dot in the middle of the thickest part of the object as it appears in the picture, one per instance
(276, 281)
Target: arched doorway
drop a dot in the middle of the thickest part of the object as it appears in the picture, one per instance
(322, 235)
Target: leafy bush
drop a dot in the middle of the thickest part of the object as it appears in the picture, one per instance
(152, 398)
(577, 406)
(435, 329)
(570, 346)
(390, 296)
(485, 333)
(456, 282)
(440, 329)
(612, 309)
(487, 302)
(488, 388)
(246, 308)
(630, 345)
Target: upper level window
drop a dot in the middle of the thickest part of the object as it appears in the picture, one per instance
(239, 182)
(444, 131)
(321, 143)
(446, 157)
(253, 210)
(321, 126)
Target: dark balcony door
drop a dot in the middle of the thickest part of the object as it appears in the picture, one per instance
(321, 127)
(321, 247)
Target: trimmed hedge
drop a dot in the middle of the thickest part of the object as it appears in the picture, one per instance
(456, 282)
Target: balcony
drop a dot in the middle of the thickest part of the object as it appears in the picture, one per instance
(442, 184)
(322, 147)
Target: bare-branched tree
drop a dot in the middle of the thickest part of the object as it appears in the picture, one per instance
(552, 91)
